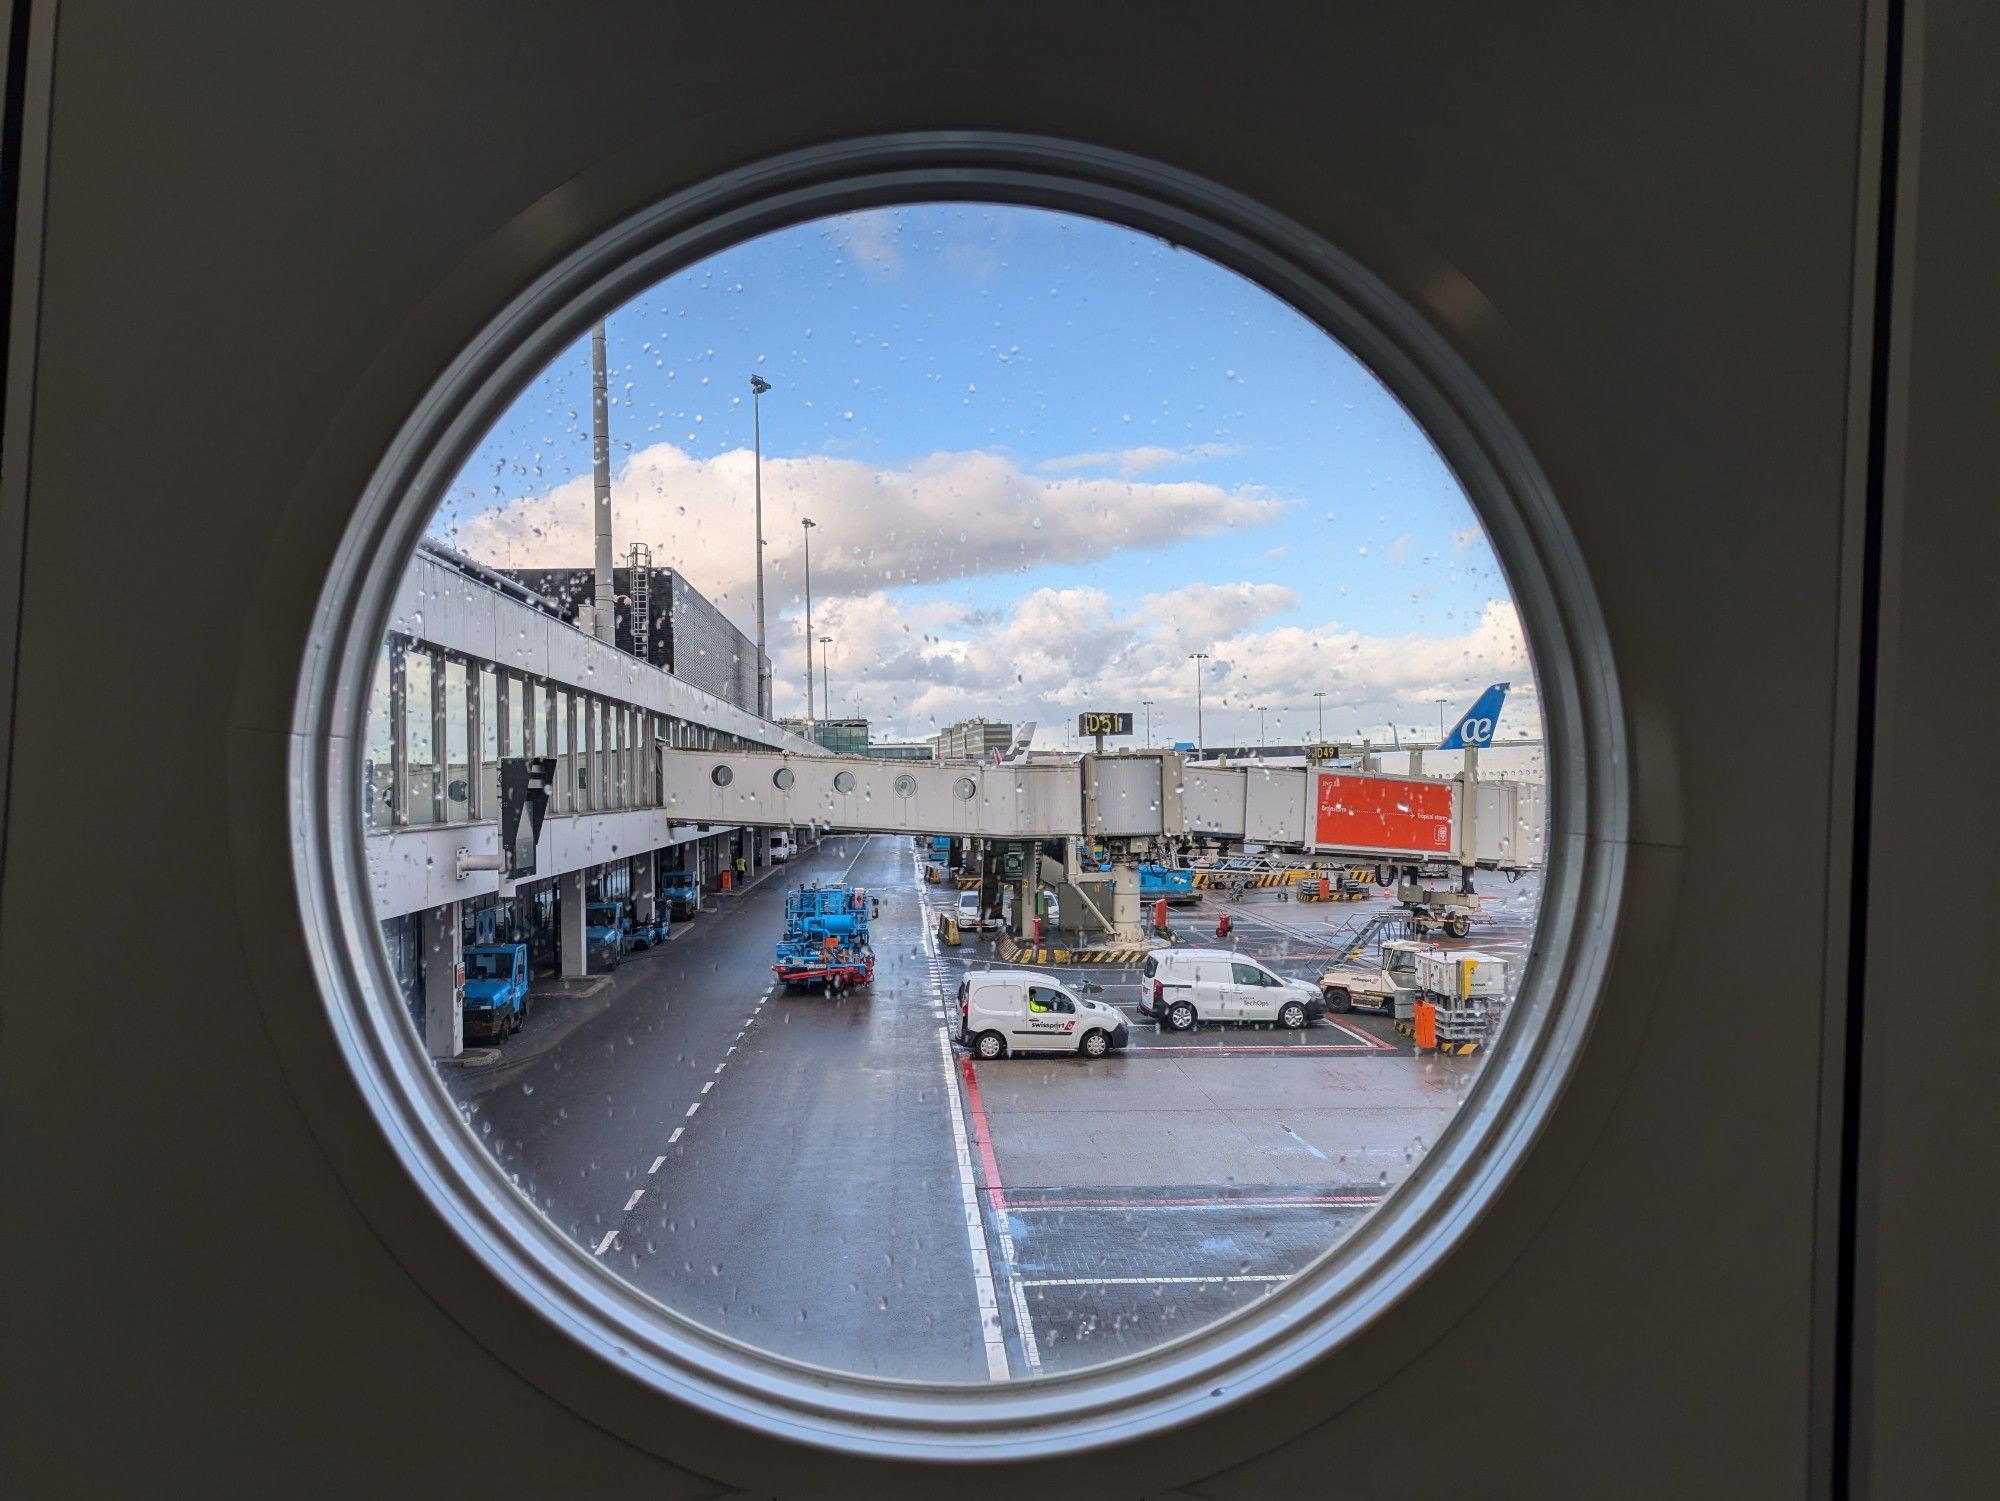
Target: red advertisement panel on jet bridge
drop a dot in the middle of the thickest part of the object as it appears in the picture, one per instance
(1391, 814)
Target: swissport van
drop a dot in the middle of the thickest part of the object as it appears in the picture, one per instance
(1183, 986)
(1019, 1011)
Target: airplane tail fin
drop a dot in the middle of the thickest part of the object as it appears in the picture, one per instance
(1475, 727)
(1024, 735)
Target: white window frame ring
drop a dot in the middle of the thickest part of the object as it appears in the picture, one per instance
(570, 1326)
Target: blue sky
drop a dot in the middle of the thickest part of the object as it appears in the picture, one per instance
(1014, 426)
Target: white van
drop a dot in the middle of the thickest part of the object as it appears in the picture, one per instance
(1005, 1011)
(1183, 986)
(781, 846)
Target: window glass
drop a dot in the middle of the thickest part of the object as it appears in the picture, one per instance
(562, 708)
(457, 741)
(489, 743)
(378, 763)
(419, 674)
(1032, 486)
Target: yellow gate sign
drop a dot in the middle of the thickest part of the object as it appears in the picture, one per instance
(1098, 722)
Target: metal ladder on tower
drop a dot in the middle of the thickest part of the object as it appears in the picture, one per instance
(640, 563)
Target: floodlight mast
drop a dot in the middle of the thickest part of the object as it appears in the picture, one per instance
(758, 386)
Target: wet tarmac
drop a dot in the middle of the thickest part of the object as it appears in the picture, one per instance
(829, 1179)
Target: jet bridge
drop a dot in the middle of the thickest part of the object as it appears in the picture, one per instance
(1136, 802)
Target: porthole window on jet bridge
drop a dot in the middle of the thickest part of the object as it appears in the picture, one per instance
(1217, 625)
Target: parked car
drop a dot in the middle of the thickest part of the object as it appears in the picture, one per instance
(1021, 1011)
(966, 910)
(782, 847)
(496, 988)
(1184, 986)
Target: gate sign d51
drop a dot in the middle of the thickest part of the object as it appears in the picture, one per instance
(1097, 722)
(1391, 814)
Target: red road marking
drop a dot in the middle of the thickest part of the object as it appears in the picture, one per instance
(1226, 1049)
(984, 1139)
(1370, 1039)
(1362, 1200)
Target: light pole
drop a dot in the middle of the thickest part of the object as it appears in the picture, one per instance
(603, 616)
(825, 693)
(758, 386)
(807, 526)
(1320, 707)
(1200, 740)
(1441, 708)
(1261, 711)
(1149, 721)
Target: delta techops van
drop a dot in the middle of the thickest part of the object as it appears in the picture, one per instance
(1184, 986)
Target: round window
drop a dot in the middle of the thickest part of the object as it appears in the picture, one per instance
(1196, 561)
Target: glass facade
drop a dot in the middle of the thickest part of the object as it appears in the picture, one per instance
(457, 742)
(378, 752)
(450, 722)
(488, 715)
(420, 730)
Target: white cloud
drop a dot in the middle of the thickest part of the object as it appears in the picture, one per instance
(911, 669)
(949, 516)
(870, 238)
(1141, 460)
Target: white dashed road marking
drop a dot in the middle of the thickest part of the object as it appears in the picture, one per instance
(632, 1203)
(676, 1136)
(605, 1244)
(658, 1160)
(694, 1107)
(1149, 1281)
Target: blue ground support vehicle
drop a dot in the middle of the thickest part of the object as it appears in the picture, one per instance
(1177, 886)
(644, 935)
(604, 930)
(826, 938)
(1156, 881)
(680, 892)
(496, 988)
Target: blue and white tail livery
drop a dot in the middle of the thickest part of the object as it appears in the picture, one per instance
(1475, 729)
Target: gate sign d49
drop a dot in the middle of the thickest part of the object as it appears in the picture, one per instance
(1099, 723)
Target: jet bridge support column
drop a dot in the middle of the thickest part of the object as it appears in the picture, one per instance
(444, 982)
(1468, 822)
(645, 905)
(1127, 921)
(575, 954)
